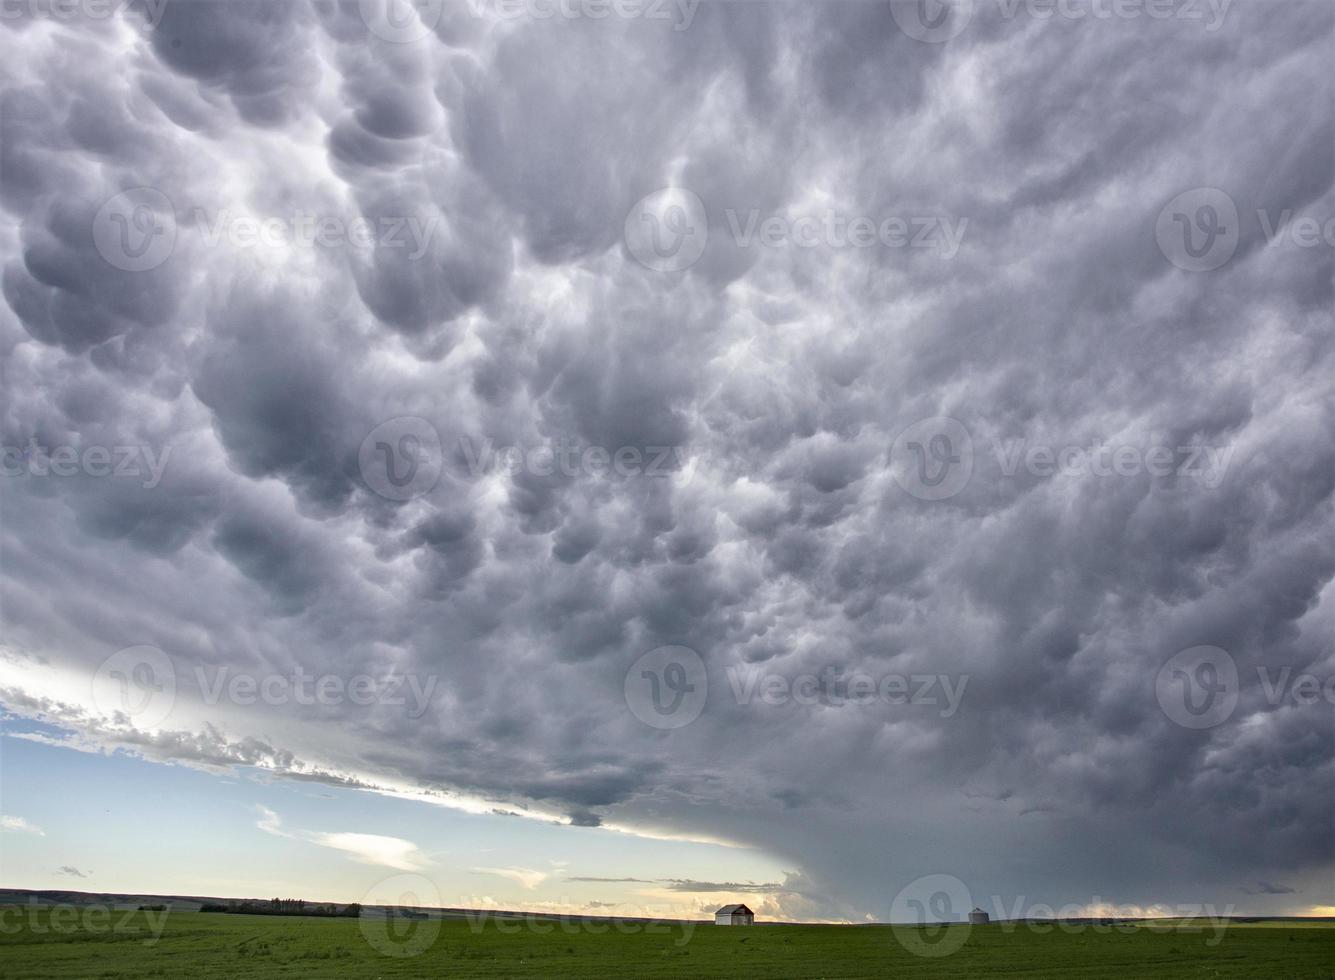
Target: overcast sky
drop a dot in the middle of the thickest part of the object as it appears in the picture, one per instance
(654, 452)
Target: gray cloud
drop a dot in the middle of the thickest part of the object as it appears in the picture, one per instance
(1266, 888)
(784, 374)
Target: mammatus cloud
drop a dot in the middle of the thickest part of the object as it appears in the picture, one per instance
(999, 355)
(389, 852)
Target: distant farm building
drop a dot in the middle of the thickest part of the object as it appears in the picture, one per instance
(734, 915)
(978, 917)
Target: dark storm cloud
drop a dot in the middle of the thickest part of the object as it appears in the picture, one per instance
(1266, 888)
(276, 398)
(779, 540)
(258, 53)
(66, 295)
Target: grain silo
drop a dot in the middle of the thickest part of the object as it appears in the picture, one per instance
(978, 917)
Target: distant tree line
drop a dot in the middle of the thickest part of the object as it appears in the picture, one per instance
(282, 906)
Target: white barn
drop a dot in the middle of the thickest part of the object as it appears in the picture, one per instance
(734, 915)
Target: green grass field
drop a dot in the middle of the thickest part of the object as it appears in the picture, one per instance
(200, 946)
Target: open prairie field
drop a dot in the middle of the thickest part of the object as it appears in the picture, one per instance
(121, 946)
